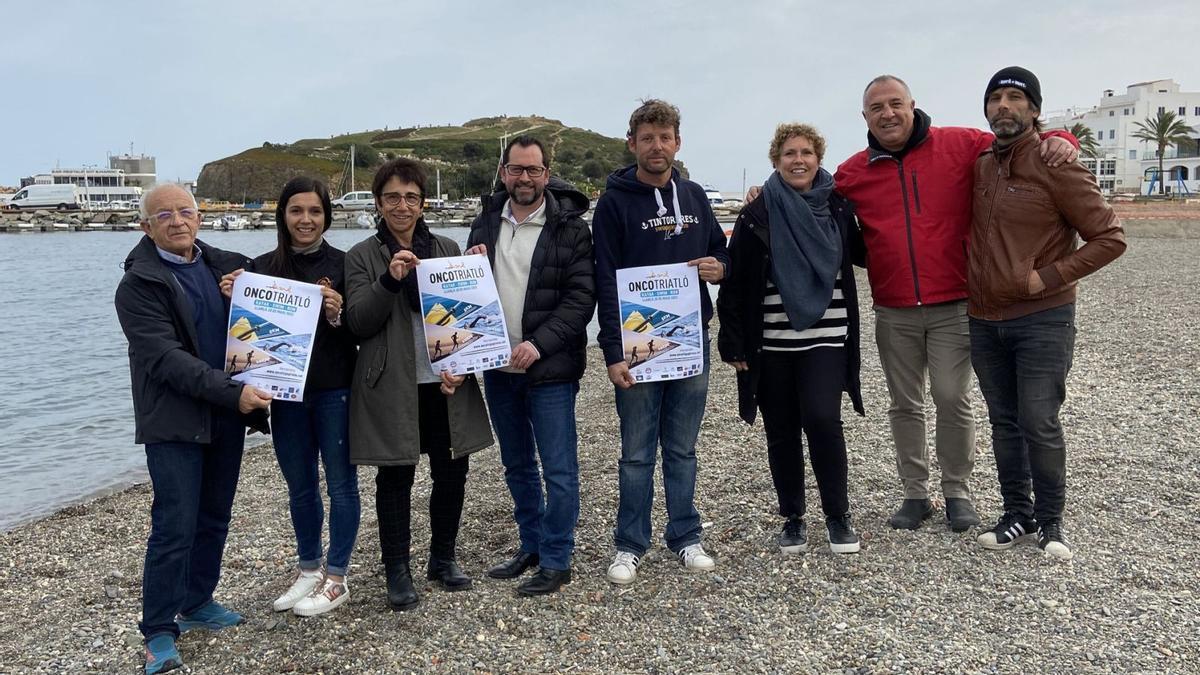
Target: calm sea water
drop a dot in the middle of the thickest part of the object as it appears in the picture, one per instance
(66, 418)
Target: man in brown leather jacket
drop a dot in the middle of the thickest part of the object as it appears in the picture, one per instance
(1022, 280)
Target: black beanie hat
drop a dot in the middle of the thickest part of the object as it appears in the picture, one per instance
(1018, 78)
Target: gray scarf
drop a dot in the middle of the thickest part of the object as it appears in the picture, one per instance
(806, 247)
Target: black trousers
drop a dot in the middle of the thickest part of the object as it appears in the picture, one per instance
(393, 487)
(801, 393)
(1022, 366)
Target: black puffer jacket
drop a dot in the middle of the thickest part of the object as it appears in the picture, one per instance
(740, 303)
(561, 295)
(174, 390)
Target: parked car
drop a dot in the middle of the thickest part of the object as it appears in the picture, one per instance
(119, 205)
(355, 200)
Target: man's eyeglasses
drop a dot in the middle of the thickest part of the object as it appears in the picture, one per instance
(515, 170)
(394, 198)
(165, 217)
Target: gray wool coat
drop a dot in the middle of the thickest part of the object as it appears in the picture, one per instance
(383, 397)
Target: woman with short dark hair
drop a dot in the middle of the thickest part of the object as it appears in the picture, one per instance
(400, 407)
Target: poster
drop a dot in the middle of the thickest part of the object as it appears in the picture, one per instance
(660, 321)
(464, 325)
(272, 322)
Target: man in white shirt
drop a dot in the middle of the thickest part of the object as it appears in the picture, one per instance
(540, 249)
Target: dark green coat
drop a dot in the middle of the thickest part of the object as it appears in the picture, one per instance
(383, 395)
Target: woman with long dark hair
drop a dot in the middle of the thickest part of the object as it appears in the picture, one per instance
(400, 408)
(315, 430)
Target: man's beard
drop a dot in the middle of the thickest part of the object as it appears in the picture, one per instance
(657, 172)
(1008, 127)
(535, 195)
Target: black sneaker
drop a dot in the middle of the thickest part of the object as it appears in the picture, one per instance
(1052, 541)
(793, 538)
(1010, 529)
(842, 537)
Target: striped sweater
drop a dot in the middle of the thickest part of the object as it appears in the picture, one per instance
(829, 331)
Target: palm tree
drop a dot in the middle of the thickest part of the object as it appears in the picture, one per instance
(1087, 139)
(1164, 131)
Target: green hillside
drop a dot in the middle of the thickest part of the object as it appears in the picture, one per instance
(466, 156)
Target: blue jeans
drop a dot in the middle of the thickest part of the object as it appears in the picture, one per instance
(652, 413)
(539, 419)
(320, 425)
(1022, 366)
(194, 485)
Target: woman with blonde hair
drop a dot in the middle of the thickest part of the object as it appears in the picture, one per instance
(789, 326)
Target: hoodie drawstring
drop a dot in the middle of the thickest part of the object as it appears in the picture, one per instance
(662, 208)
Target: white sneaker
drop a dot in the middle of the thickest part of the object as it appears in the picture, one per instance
(623, 569)
(694, 558)
(324, 598)
(304, 584)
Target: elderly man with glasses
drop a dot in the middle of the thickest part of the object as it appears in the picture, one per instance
(190, 415)
(541, 251)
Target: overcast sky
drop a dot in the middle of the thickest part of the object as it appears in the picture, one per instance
(198, 82)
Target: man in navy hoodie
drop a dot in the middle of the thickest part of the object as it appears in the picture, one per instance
(650, 215)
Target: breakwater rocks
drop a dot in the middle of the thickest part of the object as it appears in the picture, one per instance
(923, 601)
(225, 219)
(67, 221)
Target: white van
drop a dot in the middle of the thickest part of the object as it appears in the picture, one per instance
(355, 200)
(61, 197)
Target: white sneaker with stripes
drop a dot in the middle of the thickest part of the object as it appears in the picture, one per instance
(623, 569)
(694, 558)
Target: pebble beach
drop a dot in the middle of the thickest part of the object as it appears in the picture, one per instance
(923, 601)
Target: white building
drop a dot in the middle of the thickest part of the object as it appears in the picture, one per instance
(1126, 164)
(139, 169)
(98, 185)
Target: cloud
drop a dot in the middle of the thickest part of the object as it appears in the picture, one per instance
(194, 83)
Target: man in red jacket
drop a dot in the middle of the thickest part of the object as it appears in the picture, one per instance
(912, 188)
